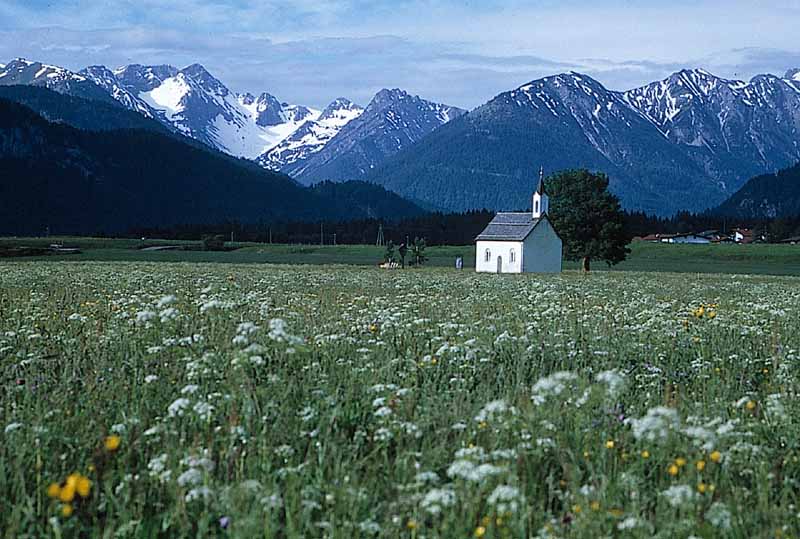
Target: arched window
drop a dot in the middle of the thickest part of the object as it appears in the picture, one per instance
(512, 256)
(487, 255)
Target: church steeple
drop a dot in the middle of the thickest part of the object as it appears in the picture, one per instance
(540, 198)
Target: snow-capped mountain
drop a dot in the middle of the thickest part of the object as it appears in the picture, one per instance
(105, 79)
(793, 75)
(312, 136)
(267, 111)
(59, 79)
(278, 134)
(393, 120)
(730, 128)
(686, 142)
(202, 107)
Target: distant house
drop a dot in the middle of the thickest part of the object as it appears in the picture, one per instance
(688, 237)
(654, 238)
(794, 240)
(742, 235)
(520, 242)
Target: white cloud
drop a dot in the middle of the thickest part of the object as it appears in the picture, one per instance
(311, 51)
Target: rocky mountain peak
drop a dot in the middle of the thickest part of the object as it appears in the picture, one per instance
(140, 78)
(337, 106)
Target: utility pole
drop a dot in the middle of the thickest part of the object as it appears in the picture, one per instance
(379, 241)
(334, 238)
(270, 235)
(321, 235)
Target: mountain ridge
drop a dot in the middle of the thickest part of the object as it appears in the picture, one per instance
(660, 159)
(54, 176)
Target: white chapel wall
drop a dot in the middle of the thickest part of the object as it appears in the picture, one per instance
(498, 248)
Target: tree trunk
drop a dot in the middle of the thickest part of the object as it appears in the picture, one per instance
(585, 264)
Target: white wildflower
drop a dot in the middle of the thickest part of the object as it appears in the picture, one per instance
(200, 493)
(178, 407)
(719, 516)
(203, 410)
(11, 427)
(506, 499)
(614, 379)
(192, 476)
(383, 434)
(469, 471)
(166, 301)
(678, 495)
(437, 499)
(551, 386)
(656, 425)
(189, 389)
(383, 411)
(144, 316)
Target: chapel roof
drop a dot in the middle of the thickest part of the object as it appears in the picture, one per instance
(509, 227)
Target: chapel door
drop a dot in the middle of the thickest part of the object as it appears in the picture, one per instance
(499, 264)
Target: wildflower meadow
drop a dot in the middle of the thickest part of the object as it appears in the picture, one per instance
(213, 400)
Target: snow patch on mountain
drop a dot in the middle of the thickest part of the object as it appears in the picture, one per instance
(168, 97)
(312, 135)
(105, 79)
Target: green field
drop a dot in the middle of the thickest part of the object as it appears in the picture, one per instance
(737, 259)
(238, 400)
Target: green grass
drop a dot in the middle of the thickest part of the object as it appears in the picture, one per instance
(733, 259)
(317, 401)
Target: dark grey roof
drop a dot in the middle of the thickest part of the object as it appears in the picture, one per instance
(509, 227)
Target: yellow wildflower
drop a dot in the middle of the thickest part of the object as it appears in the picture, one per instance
(700, 465)
(750, 405)
(480, 531)
(411, 524)
(54, 490)
(672, 470)
(610, 444)
(701, 488)
(576, 509)
(66, 510)
(715, 456)
(72, 479)
(112, 442)
(67, 493)
(680, 461)
(84, 486)
(595, 505)
(645, 454)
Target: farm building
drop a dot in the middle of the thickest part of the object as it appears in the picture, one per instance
(520, 242)
(685, 238)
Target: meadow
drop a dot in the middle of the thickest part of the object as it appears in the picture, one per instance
(148, 399)
(764, 259)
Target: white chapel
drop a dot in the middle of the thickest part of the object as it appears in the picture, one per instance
(520, 242)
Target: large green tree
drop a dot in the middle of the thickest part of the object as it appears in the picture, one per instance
(587, 216)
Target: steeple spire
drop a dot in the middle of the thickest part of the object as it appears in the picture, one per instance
(540, 187)
(540, 199)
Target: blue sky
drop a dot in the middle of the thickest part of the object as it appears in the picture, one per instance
(458, 52)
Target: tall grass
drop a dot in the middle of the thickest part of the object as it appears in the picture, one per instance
(276, 401)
